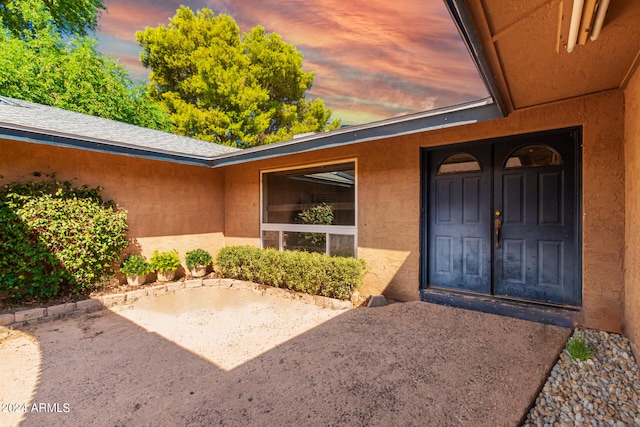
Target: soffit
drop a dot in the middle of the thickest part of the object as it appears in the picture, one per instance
(525, 46)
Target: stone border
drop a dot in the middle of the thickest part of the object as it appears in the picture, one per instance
(33, 315)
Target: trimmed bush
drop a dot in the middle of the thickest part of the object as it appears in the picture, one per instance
(312, 273)
(197, 257)
(165, 261)
(135, 265)
(57, 238)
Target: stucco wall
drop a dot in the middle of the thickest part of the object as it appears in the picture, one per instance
(632, 207)
(183, 207)
(388, 174)
(169, 205)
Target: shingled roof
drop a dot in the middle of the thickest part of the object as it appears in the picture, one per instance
(26, 121)
(44, 124)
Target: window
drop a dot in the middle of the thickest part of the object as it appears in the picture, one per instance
(532, 156)
(311, 209)
(461, 162)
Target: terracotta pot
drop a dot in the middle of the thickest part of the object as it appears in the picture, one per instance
(166, 276)
(198, 270)
(136, 280)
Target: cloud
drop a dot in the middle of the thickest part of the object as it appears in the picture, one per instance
(376, 57)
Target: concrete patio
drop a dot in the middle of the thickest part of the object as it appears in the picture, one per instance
(219, 356)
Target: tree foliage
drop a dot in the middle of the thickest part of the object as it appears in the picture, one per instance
(226, 88)
(68, 72)
(69, 17)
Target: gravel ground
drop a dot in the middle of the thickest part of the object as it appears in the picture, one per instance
(601, 391)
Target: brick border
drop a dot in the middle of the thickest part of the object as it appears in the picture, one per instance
(34, 315)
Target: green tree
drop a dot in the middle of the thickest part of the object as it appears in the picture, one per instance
(226, 88)
(69, 17)
(68, 72)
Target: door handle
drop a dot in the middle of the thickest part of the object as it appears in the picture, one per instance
(497, 226)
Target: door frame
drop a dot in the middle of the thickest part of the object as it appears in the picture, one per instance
(492, 303)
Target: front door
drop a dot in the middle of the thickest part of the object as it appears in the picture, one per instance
(501, 218)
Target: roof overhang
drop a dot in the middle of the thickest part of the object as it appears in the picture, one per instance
(457, 115)
(18, 133)
(527, 47)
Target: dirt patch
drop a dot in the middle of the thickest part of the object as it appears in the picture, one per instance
(113, 286)
(209, 356)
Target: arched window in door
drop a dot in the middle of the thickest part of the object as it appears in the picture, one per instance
(533, 156)
(460, 162)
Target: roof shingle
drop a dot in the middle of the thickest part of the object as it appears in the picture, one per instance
(42, 119)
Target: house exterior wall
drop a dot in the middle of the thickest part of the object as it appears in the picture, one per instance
(388, 179)
(632, 214)
(170, 206)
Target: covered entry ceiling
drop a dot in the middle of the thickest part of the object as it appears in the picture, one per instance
(525, 46)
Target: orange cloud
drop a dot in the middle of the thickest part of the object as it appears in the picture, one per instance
(379, 57)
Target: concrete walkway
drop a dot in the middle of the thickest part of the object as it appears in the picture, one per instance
(215, 356)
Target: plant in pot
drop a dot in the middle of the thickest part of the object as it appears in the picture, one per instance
(135, 267)
(165, 264)
(197, 261)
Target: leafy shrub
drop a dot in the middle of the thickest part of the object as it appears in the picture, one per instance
(165, 261)
(312, 273)
(197, 257)
(57, 237)
(321, 214)
(135, 265)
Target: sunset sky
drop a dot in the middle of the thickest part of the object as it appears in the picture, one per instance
(372, 59)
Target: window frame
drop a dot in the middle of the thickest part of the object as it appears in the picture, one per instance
(511, 155)
(281, 228)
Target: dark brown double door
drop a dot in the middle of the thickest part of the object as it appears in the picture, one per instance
(501, 218)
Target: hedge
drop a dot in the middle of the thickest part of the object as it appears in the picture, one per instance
(312, 273)
(57, 238)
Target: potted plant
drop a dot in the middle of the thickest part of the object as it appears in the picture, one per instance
(197, 262)
(165, 264)
(135, 267)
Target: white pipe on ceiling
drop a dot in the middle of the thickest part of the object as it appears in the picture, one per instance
(576, 15)
(597, 25)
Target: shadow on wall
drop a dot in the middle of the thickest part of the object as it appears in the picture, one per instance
(161, 198)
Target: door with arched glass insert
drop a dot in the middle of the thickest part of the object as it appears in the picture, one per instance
(459, 219)
(501, 218)
(534, 204)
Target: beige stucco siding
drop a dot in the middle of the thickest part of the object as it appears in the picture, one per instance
(169, 205)
(389, 198)
(183, 207)
(632, 207)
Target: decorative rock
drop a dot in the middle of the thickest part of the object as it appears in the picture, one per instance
(157, 290)
(57, 310)
(113, 299)
(306, 298)
(282, 293)
(211, 282)
(7, 319)
(88, 304)
(196, 283)
(331, 303)
(600, 391)
(174, 286)
(136, 295)
(32, 314)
